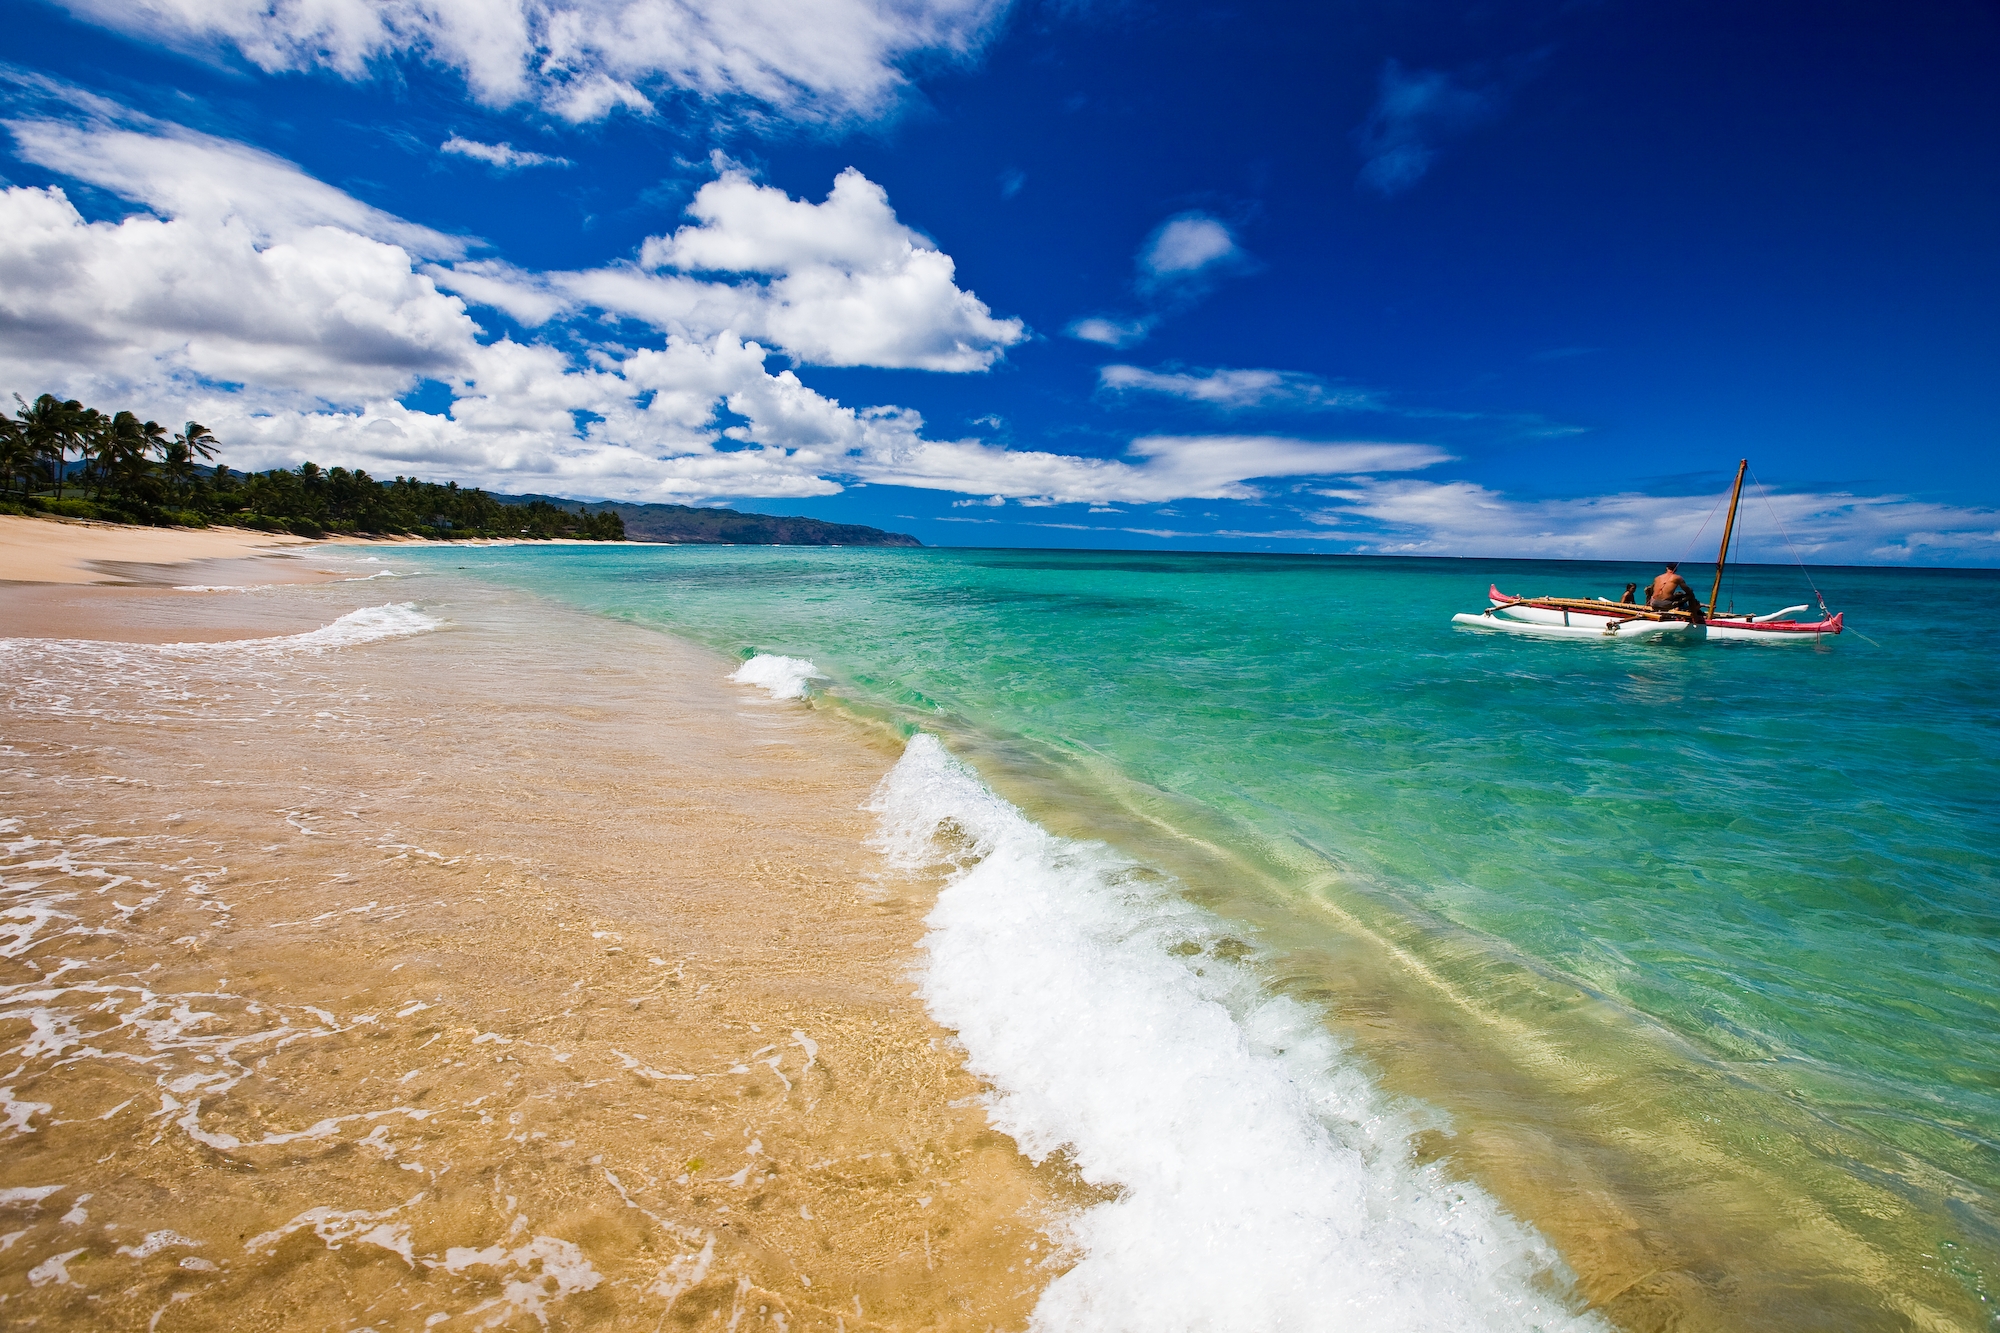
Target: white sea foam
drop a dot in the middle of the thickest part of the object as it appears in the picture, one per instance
(784, 677)
(1262, 1180)
(394, 620)
(232, 681)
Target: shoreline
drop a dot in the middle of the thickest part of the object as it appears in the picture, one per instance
(70, 578)
(1682, 1186)
(532, 907)
(1660, 1174)
(49, 548)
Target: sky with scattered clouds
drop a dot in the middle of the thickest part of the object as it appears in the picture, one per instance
(1410, 278)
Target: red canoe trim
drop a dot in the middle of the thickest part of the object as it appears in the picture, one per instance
(1787, 626)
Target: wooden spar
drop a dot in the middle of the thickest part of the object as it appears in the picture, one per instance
(1728, 526)
(1596, 606)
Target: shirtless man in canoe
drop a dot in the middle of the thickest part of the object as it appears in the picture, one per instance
(1670, 592)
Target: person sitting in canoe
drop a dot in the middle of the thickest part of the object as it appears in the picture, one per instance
(1670, 592)
(1631, 595)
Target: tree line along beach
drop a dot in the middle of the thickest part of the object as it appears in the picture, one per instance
(131, 471)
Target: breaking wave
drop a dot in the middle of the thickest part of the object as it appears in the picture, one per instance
(1260, 1179)
(782, 677)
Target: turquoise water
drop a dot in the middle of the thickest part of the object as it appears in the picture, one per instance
(1783, 857)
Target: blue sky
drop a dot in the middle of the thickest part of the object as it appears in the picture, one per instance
(1490, 279)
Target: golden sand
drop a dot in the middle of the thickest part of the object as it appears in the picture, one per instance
(60, 550)
(63, 578)
(518, 971)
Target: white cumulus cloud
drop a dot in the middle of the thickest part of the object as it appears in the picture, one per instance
(202, 179)
(108, 307)
(505, 156)
(292, 317)
(1413, 516)
(1227, 388)
(1111, 331)
(581, 59)
(1186, 245)
(838, 283)
(1179, 264)
(1155, 469)
(512, 427)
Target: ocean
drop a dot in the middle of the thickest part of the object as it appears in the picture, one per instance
(1370, 965)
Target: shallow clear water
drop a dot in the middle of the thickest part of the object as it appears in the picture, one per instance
(1783, 856)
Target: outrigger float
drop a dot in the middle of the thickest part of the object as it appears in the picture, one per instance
(1601, 618)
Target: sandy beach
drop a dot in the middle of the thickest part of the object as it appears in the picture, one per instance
(64, 550)
(480, 960)
(73, 579)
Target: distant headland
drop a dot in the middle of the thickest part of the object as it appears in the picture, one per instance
(726, 527)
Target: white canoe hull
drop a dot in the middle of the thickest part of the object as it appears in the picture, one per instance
(1581, 627)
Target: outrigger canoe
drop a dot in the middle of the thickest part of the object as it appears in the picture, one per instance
(1601, 618)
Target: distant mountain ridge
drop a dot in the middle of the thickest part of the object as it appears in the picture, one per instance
(726, 527)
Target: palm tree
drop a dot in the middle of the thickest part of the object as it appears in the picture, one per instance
(194, 442)
(123, 449)
(96, 441)
(152, 441)
(17, 456)
(53, 428)
(198, 439)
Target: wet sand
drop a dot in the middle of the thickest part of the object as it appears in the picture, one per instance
(517, 971)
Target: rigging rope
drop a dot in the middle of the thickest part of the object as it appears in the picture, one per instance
(1788, 542)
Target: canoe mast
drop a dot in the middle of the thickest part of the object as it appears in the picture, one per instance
(1728, 526)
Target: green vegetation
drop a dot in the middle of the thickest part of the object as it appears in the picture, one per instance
(682, 524)
(132, 471)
